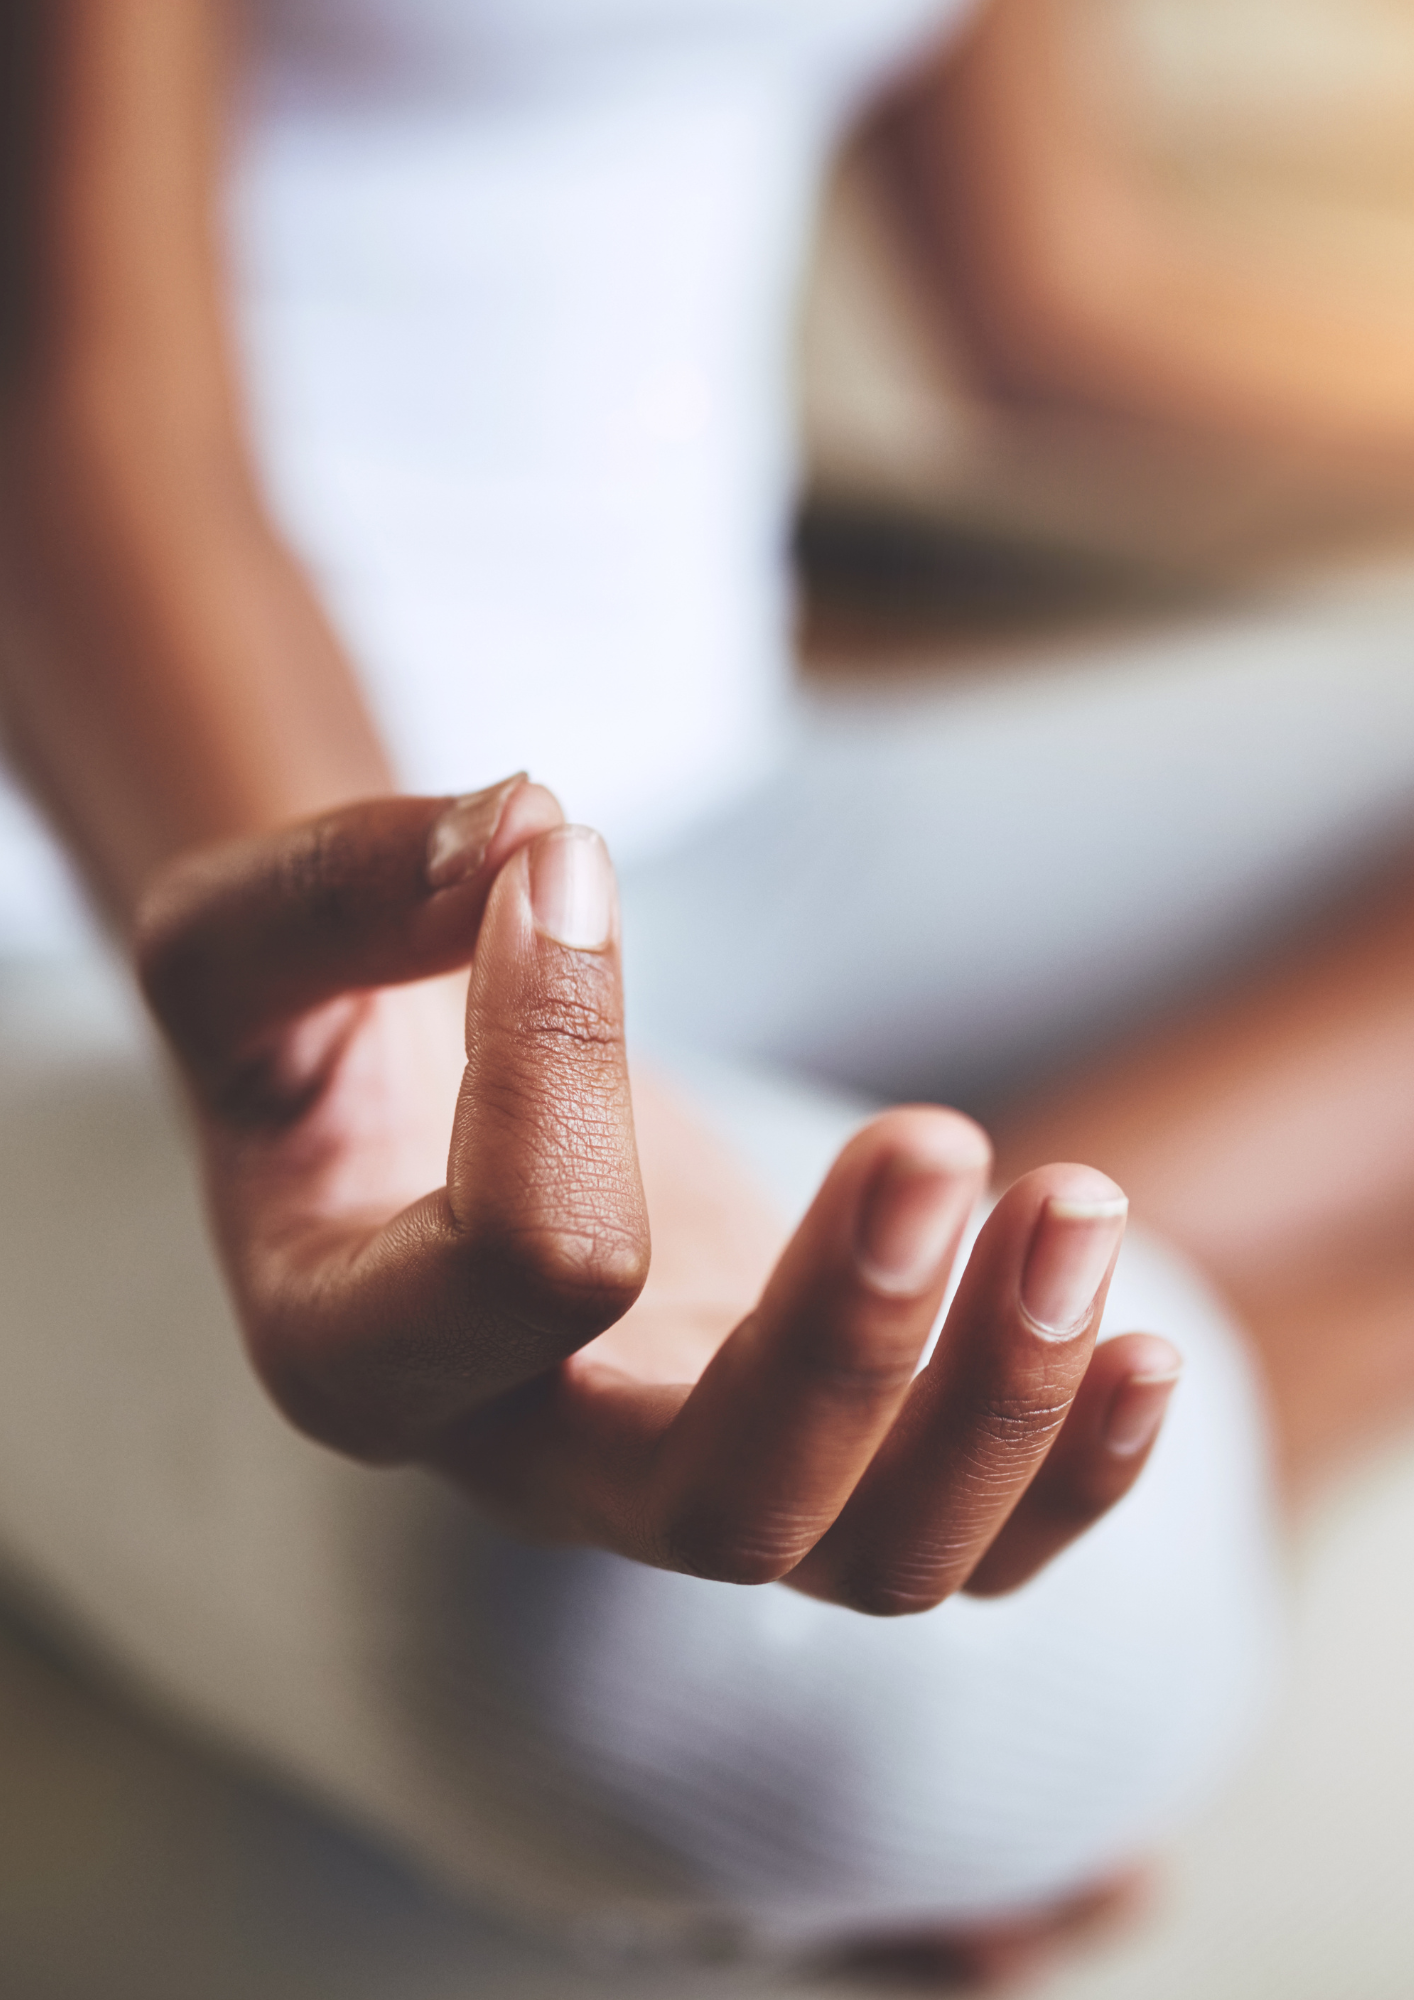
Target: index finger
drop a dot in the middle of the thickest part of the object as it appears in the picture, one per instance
(235, 940)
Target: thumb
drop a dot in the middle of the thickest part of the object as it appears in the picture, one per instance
(539, 1239)
(543, 1173)
(378, 1333)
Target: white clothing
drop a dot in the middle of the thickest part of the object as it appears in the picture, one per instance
(515, 285)
(634, 1756)
(518, 305)
(957, 882)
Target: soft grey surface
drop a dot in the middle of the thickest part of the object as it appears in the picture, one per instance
(1298, 1888)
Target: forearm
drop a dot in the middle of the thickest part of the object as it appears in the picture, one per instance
(167, 676)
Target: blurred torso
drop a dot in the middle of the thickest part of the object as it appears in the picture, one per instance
(516, 283)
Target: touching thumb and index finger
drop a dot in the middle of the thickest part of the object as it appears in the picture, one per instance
(375, 1329)
(238, 941)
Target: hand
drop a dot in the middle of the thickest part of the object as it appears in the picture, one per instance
(299, 976)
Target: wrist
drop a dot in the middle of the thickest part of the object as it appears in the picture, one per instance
(173, 680)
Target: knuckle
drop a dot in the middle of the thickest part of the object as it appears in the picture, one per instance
(723, 1549)
(319, 1409)
(1021, 1420)
(583, 1276)
(1078, 1496)
(885, 1573)
(851, 1373)
(579, 1019)
(892, 1592)
(168, 948)
(319, 875)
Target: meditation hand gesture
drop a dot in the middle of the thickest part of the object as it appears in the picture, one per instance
(494, 1328)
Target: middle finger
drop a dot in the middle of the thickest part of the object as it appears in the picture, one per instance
(981, 1417)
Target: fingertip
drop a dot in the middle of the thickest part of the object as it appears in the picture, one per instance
(1064, 1203)
(930, 1136)
(530, 811)
(1152, 1369)
(558, 887)
(1079, 1225)
(474, 835)
(1144, 1356)
(1072, 1188)
(908, 1223)
(574, 895)
(916, 1172)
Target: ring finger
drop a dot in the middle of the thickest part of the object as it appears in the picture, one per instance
(982, 1416)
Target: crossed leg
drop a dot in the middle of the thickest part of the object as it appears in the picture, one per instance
(1270, 1134)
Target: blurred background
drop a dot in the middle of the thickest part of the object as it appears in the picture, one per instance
(1277, 132)
(1010, 553)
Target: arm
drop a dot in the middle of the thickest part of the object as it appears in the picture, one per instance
(1079, 279)
(167, 676)
(178, 700)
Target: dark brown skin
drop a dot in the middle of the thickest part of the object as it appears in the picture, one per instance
(172, 678)
(458, 1326)
(431, 1189)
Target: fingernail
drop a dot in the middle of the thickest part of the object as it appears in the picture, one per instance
(457, 844)
(907, 1220)
(573, 895)
(1070, 1252)
(1137, 1411)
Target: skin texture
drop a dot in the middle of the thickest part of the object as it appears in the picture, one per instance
(169, 677)
(434, 1191)
(175, 695)
(489, 1325)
